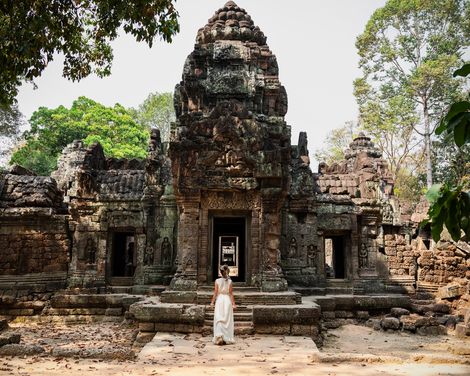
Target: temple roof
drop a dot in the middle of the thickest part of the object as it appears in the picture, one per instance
(230, 23)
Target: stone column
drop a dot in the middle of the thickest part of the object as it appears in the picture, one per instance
(272, 275)
(185, 278)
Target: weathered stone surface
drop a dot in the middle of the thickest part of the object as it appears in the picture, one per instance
(434, 330)
(390, 323)
(20, 350)
(397, 312)
(105, 353)
(374, 324)
(3, 324)
(450, 291)
(6, 339)
(295, 314)
(168, 313)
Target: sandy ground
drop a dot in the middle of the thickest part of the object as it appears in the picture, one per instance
(350, 350)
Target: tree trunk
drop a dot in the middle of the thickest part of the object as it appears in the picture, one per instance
(427, 145)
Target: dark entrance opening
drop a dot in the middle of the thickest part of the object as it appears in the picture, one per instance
(122, 259)
(229, 238)
(335, 257)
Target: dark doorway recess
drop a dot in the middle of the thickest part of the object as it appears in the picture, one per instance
(229, 247)
(122, 259)
(335, 257)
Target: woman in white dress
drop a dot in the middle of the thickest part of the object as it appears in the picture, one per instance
(224, 306)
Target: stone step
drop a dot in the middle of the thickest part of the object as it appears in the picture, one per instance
(236, 288)
(339, 290)
(238, 317)
(254, 298)
(121, 281)
(240, 328)
(239, 309)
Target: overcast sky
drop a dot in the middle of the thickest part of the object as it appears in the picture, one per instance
(312, 39)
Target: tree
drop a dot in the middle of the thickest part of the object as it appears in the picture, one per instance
(450, 204)
(157, 111)
(11, 122)
(337, 141)
(52, 129)
(407, 53)
(32, 31)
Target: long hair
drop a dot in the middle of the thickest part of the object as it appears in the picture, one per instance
(225, 271)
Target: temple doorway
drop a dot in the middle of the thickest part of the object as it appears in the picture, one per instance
(123, 254)
(229, 247)
(335, 257)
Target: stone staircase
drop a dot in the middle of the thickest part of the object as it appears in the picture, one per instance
(338, 287)
(248, 297)
(243, 320)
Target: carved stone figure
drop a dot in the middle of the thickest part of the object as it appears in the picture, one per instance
(149, 256)
(363, 256)
(166, 251)
(90, 251)
(292, 248)
(311, 255)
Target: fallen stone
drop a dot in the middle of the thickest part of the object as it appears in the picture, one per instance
(462, 330)
(432, 330)
(374, 324)
(362, 315)
(6, 339)
(452, 290)
(397, 312)
(106, 353)
(3, 324)
(15, 349)
(390, 323)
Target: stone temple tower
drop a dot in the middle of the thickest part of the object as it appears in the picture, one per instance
(230, 153)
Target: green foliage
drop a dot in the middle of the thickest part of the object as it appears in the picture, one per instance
(450, 205)
(33, 31)
(52, 129)
(457, 119)
(157, 111)
(407, 53)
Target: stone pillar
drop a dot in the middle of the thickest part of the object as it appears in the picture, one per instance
(185, 278)
(272, 275)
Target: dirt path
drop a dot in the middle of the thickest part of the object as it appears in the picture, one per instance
(350, 350)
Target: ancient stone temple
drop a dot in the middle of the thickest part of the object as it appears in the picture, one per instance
(229, 188)
(230, 156)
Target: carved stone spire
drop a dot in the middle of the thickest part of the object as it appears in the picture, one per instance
(230, 23)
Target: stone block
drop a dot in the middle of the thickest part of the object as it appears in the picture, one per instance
(374, 324)
(328, 315)
(450, 291)
(15, 349)
(3, 324)
(397, 312)
(303, 330)
(113, 312)
(168, 313)
(362, 315)
(277, 329)
(390, 323)
(462, 330)
(6, 339)
(344, 314)
(293, 314)
(146, 326)
(144, 337)
(184, 328)
(432, 330)
(164, 327)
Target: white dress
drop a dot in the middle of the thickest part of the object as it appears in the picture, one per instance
(223, 312)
